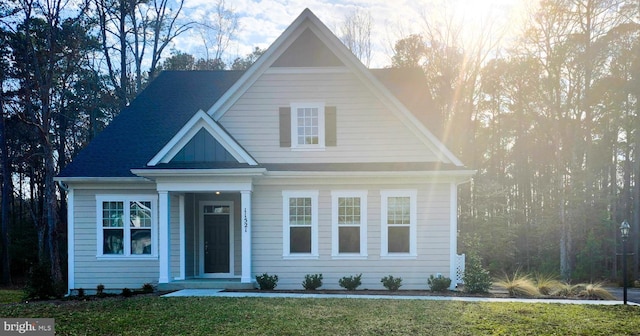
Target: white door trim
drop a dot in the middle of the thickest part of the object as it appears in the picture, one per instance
(201, 214)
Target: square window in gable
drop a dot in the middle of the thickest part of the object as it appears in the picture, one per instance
(307, 125)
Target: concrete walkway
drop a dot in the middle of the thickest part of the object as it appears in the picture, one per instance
(221, 293)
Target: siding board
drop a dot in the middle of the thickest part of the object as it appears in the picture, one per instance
(366, 130)
(432, 237)
(89, 271)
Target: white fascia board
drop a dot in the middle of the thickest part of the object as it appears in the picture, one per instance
(82, 179)
(155, 173)
(455, 176)
(222, 105)
(308, 70)
(201, 120)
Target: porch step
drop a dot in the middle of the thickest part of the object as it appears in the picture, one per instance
(205, 284)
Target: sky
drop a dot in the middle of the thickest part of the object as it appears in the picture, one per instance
(262, 21)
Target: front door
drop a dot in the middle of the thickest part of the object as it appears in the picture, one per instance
(216, 239)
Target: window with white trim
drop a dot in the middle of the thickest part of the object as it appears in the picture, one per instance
(307, 125)
(399, 224)
(349, 224)
(127, 226)
(300, 223)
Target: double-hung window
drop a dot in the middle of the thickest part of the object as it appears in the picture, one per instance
(307, 125)
(126, 226)
(349, 224)
(300, 224)
(399, 223)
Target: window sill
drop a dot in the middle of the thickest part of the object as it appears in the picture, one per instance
(398, 257)
(349, 257)
(300, 257)
(129, 257)
(308, 149)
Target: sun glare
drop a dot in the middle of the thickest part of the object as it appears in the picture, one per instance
(499, 18)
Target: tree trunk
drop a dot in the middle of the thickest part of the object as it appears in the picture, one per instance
(122, 31)
(6, 195)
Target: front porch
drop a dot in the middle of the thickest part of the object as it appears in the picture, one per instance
(204, 230)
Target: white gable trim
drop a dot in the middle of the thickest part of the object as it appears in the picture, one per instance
(199, 121)
(308, 20)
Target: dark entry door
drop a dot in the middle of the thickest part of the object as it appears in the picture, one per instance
(216, 243)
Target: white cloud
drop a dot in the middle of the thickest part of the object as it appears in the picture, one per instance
(262, 21)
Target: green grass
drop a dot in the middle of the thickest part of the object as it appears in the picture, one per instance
(151, 315)
(11, 296)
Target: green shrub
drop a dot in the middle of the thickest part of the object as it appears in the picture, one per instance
(312, 281)
(476, 279)
(351, 282)
(100, 290)
(391, 283)
(80, 292)
(147, 288)
(438, 283)
(126, 292)
(266, 281)
(39, 283)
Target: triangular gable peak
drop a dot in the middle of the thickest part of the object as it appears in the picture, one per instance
(212, 141)
(307, 51)
(274, 57)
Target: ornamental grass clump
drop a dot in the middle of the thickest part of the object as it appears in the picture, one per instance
(566, 290)
(519, 285)
(547, 284)
(596, 292)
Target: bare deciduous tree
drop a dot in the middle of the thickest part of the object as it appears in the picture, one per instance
(217, 29)
(355, 33)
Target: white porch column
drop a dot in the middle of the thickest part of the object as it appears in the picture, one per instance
(164, 235)
(246, 236)
(183, 238)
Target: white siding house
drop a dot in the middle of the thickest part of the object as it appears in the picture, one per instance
(305, 163)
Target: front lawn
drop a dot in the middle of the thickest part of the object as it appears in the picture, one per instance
(11, 296)
(152, 315)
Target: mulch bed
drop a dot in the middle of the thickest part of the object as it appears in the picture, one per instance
(373, 292)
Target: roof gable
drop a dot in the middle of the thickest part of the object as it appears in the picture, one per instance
(149, 122)
(221, 149)
(308, 23)
(307, 51)
(203, 147)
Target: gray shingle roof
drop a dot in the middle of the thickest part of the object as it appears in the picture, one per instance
(162, 109)
(149, 122)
